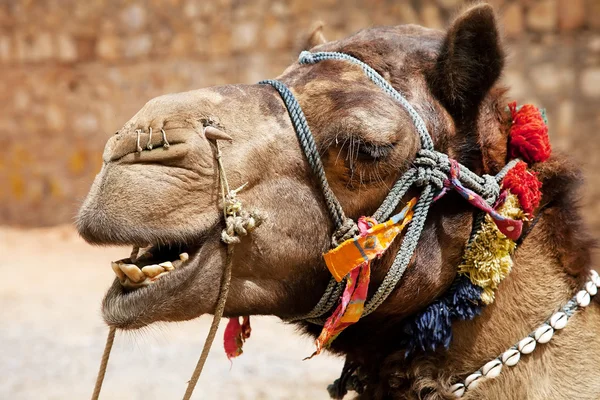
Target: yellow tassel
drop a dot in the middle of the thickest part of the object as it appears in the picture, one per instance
(487, 260)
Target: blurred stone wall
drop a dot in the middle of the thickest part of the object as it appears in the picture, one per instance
(72, 72)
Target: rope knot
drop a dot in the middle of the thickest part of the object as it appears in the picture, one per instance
(491, 189)
(348, 230)
(431, 167)
(238, 222)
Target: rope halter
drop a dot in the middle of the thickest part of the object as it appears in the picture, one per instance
(431, 171)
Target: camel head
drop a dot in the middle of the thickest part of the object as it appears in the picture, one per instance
(167, 200)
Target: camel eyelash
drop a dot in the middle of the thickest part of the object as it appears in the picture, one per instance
(373, 151)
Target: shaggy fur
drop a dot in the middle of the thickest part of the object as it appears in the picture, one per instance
(366, 141)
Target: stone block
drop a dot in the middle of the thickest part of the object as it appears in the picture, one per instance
(244, 35)
(571, 14)
(551, 79)
(5, 49)
(542, 16)
(133, 17)
(565, 117)
(404, 13)
(109, 48)
(449, 4)
(590, 82)
(512, 20)
(593, 14)
(66, 50)
(431, 17)
(137, 46)
(86, 47)
(275, 34)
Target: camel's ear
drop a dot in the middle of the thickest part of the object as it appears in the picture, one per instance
(470, 61)
(315, 36)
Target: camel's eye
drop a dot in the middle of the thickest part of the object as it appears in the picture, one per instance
(372, 151)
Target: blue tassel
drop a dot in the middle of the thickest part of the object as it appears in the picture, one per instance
(432, 328)
(464, 299)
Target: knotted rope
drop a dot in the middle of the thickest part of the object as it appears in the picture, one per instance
(238, 222)
(430, 170)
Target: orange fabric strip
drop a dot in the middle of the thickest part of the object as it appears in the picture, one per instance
(356, 251)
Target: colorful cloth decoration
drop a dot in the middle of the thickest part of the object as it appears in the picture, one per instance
(373, 240)
(510, 227)
(349, 309)
(528, 134)
(235, 335)
(524, 183)
(353, 259)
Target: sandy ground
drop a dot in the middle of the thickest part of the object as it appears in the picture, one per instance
(52, 336)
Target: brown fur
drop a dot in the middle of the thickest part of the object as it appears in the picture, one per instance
(366, 141)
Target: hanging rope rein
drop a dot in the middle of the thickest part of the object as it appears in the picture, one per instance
(104, 362)
(238, 222)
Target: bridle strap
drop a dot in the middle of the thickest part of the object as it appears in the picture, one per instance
(430, 171)
(309, 147)
(306, 57)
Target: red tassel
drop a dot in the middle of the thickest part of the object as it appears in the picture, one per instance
(525, 185)
(528, 134)
(235, 336)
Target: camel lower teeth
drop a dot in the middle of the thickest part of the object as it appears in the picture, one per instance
(167, 265)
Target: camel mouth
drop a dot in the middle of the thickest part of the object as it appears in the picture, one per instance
(148, 264)
(155, 277)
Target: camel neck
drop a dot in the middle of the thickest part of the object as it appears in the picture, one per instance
(537, 287)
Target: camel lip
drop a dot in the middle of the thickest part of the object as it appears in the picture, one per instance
(132, 308)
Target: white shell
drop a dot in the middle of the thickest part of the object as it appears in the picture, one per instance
(492, 369)
(595, 278)
(591, 288)
(544, 333)
(559, 320)
(583, 298)
(457, 390)
(511, 357)
(473, 380)
(527, 345)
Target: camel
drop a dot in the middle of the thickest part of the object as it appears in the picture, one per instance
(159, 189)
